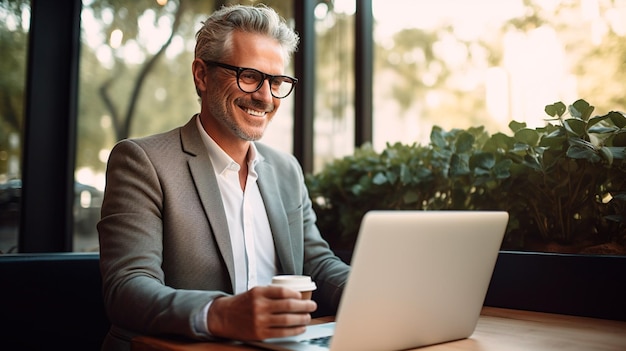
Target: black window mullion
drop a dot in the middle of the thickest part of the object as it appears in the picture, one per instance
(50, 126)
(304, 63)
(363, 72)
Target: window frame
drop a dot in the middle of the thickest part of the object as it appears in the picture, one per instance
(49, 145)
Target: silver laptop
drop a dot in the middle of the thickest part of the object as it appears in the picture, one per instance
(418, 278)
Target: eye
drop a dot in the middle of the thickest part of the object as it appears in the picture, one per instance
(277, 82)
(250, 76)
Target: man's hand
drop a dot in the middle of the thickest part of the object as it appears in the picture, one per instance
(260, 313)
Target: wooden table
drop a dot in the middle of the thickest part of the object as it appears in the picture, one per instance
(497, 330)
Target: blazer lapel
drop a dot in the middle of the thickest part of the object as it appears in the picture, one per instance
(276, 214)
(204, 179)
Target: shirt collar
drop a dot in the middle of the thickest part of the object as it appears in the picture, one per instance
(220, 159)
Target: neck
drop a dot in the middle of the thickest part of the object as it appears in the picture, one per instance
(236, 148)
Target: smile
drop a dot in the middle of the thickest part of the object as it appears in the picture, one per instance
(255, 112)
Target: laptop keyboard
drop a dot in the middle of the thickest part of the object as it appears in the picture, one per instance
(323, 341)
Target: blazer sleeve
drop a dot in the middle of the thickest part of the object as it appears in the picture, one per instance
(131, 228)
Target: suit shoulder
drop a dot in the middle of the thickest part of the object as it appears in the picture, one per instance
(158, 141)
(275, 156)
(278, 159)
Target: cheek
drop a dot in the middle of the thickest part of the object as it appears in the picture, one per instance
(226, 97)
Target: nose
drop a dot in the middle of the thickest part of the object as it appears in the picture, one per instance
(265, 92)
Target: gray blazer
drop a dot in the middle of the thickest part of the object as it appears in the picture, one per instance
(165, 250)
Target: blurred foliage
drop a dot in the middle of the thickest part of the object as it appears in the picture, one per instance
(153, 95)
(564, 183)
(13, 46)
(129, 90)
(430, 72)
(140, 88)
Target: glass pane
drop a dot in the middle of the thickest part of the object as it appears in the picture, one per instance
(334, 94)
(135, 80)
(14, 28)
(486, 62)
(461, 64)
(279, 133)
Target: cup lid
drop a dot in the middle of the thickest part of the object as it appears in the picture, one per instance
(295, 282)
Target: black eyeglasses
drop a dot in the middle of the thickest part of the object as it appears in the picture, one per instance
(250, 80)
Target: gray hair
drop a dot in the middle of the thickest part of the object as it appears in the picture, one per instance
(213, 39)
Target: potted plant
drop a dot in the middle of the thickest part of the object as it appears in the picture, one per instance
(562, 184)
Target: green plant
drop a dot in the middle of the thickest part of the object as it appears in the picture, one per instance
(572, 174)
(565, 182)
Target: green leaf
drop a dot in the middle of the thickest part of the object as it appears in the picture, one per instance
(502, 169)
(423, 174)
(556, 109)
(356, 189)
(607, 154)
(481, 172)
(520, 147)
(527, 136)
(391, 176)
(582, 143)
(459, 165)
(575, 126)
(499, 142)
(366, 181)
(532, 162)
(581, 109)
(405, 174)
(410, 197)
(583, 153)
(557, 132)
(602, 130)
(619, 139)
(617, 118)
(437, 137)
(618, 152)
(553, 141)
(595, 120)
(483, 160)
(464, 143)
(515, 126)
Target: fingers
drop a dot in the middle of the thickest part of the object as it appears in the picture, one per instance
(260, 313)
(282, 325)
(281, 300)
(276, 292)
(287, 319)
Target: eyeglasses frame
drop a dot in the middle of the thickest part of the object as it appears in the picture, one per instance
(265, 76)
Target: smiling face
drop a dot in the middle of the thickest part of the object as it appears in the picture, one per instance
(228, 114)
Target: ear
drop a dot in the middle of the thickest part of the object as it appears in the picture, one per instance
(199, 71)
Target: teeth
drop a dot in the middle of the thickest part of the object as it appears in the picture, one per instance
(255, 113)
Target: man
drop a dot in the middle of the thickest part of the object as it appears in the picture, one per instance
(196, 221)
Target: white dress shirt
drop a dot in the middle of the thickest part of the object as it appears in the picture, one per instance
(250, 234)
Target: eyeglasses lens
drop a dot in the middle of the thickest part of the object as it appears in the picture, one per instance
(251, 81)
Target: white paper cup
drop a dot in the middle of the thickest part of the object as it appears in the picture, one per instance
(301, 283)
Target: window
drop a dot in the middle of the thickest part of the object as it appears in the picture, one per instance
(487, 62)
(461, 64)
(14, 27)
(542, 282)
(135, 80)
(334, 88)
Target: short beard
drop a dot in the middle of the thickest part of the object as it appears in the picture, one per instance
(224, 118)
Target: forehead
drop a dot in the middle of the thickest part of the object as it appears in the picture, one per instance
(257, 51)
